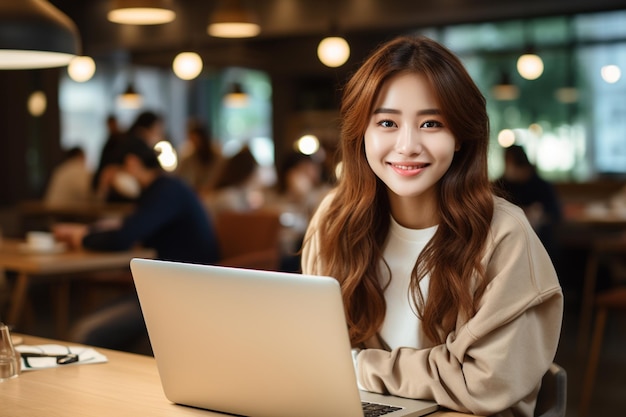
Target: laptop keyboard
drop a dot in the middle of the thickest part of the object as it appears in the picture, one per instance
(375, 410)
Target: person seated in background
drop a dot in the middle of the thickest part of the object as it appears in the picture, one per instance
(237, 185)
(522, 185)
(296, 195)
(198, 166)
(148, 129)
(107, 155)
(70, 182)
(168, 217)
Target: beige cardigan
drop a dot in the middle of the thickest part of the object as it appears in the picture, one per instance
(491, 364)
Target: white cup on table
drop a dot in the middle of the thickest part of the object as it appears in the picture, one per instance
(40, 241)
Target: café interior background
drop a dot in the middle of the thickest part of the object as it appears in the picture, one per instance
(571, 120)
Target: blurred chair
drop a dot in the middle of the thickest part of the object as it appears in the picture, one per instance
(614, 299)
(249, 239)
(609, 252)
(552, 398)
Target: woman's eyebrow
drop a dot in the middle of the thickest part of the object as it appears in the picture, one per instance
(384, 110)
(428, 111)
(419, 113)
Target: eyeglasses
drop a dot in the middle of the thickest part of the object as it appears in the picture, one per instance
(44, 360)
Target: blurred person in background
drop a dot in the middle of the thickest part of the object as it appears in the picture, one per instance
(70, 182)
(148, 129)
(198, 166)
(238, 185)
(107, 156)
(296, 195)
(522, 185)
(168, 217)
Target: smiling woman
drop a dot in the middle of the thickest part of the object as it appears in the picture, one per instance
(434, 269)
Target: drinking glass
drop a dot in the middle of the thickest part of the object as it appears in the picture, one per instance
(9, 358)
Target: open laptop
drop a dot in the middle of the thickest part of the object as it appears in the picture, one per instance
(254, 343)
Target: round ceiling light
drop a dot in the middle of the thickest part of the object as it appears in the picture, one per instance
(530, 66)
(333, 51)
(187, 65)
(37, 103)
(81, 69)
(611, 73)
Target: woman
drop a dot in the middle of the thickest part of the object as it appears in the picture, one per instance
(200, 165)
(237, 185)
(449, 294)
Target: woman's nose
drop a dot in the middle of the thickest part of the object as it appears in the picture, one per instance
(409, 141)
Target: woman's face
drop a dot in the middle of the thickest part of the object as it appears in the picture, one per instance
(407, 143)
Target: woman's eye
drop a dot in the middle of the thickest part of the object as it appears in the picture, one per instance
(386, 123)
(432, 124)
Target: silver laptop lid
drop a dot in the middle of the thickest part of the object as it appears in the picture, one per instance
(248, 342)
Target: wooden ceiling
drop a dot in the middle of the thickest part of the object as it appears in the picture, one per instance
(290, 27)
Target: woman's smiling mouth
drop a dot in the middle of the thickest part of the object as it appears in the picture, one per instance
(408, 169)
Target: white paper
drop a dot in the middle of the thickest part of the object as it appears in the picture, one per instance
(86, 355)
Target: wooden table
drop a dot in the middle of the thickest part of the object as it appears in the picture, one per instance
(127, 385)
(39, 215)
(29, 266)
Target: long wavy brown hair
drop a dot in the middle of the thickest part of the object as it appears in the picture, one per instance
(357, 222)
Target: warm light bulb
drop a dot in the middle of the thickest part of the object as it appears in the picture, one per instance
(505, 92)
(81, 69)
(530, 66)
(308, 144)
(37, 103)
(141, 16)
(130, 99)
(333, 51)
(506, 138)
(611, 73)
(567, 95)
(233, 30)
(187, 65)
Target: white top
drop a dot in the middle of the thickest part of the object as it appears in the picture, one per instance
(401, 250)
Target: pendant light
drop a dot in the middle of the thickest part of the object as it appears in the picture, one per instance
(187, 65)
(130, 98)
(141, 12)
(611, 73)
(505, 90)
(333, 51)
(530, 65)
(231, 20)
(568, 92)
(236, 97)
(81, 68)
(35, 34)
(37, 103)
